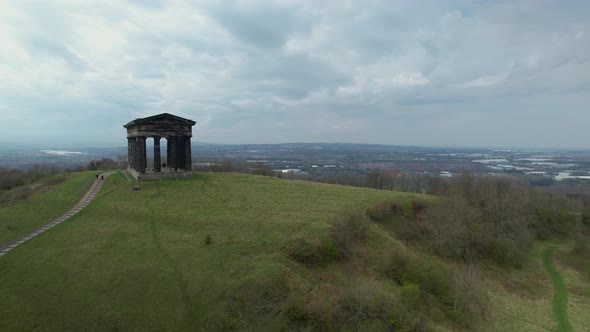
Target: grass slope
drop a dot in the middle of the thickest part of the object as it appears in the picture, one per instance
(560, 296)
(520, 299)
(577, 281)
(140, 260)
(34, 205)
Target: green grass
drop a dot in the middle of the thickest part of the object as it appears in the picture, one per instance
(560, 296)
(139, 260)
(37, 204)
(575, 269)
(210, 253)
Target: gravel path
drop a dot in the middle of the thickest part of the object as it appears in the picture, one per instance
(86, 199)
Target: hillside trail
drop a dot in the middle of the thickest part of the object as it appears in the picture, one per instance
(84, 201)
(560, 292)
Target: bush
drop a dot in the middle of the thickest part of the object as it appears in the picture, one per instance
(408, 320)
(313, 253)
(305, 252)
(506, 252)
(418, 205)
(430, 275)
(349, 228)
(398, 264)
(468, 301)
(411, 230)
(411, 295)
(425, 281)
(329, 251)
(384, 211)
(580, 244)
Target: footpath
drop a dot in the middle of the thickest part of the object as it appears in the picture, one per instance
(86, 199)
(560, 293)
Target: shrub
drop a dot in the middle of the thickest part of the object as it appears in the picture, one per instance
(411, 230)
(418, 208)
(350, 228)
(580, 244)
(366, 306)
(311, 253)
(383, 211)
(506, 252)
(329, 251)
(468, 302)
(398, 264)
(208, 239)
(411, 295)
(459, 293)
(408, 320)
(430, 275)
(305, 252)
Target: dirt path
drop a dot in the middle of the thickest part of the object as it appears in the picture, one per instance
(86, 199)
(560, 294)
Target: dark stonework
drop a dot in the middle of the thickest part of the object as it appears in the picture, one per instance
(157, 157)
(187, 154)
(180, 152)
(178, 133)
(171, 155)
(130, 152)
(141, 155)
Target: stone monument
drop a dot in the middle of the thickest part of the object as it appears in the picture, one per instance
(176, 130)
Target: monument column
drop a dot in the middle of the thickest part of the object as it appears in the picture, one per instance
(172, 152)
(157, 157)
(136, 153)
(130, 148)
(141, 160)
(187, 154)
(180, 152)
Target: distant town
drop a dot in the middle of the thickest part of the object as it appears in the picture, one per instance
(323, 160)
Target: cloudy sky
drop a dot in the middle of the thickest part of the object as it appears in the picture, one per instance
(439, 73)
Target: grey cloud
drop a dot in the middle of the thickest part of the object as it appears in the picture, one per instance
(251, 71)
(40, 46)
(291, 76)
(265, 25)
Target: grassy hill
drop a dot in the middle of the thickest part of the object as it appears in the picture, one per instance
(140, 260)
(28, 207)
(239, 252)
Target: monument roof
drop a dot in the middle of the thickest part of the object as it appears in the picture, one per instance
(160, 118)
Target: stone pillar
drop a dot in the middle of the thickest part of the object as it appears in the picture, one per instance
(130, 148)
(172, 152)
(180, 152)
(188, 163)
(157, 157)
(141, 159)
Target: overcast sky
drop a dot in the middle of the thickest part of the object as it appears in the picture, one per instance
(439, 73)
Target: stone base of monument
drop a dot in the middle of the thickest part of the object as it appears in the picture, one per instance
(165, 174)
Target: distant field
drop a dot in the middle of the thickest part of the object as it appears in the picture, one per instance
(26, 208)
(139, 259)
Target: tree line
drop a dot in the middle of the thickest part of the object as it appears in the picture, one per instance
(11, 178)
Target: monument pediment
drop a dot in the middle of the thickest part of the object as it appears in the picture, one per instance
(164, 118)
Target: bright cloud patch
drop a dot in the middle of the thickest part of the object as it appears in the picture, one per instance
(409, 79)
